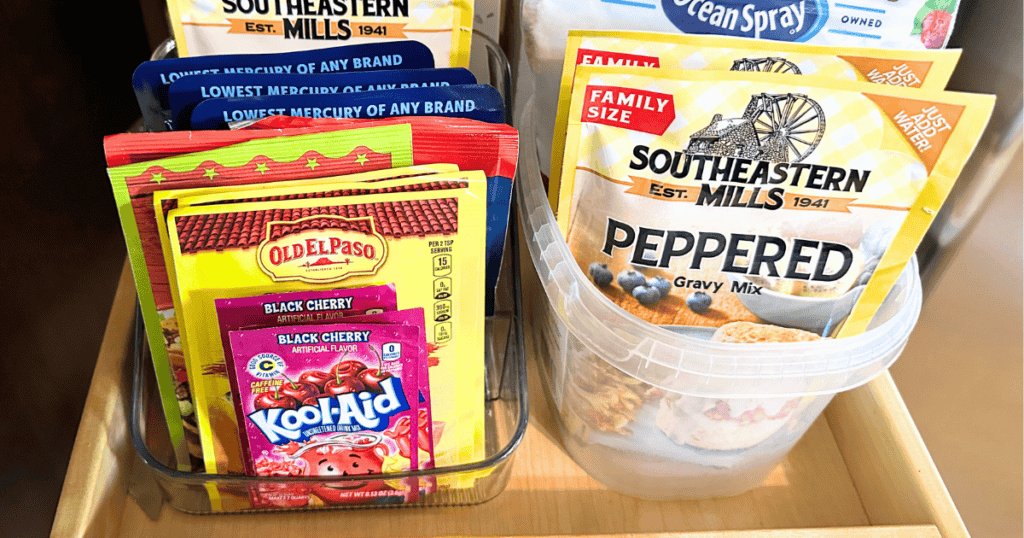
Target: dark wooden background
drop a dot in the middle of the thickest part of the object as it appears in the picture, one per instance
(66, 82)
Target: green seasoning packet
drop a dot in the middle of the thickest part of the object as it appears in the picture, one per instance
(257, 161)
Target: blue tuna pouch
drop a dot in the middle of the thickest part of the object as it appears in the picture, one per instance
(475, 102)
(189, 91)
(152, 80)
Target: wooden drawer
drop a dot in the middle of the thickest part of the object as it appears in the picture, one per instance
(861, 470)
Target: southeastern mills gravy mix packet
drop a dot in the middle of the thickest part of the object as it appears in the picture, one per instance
(476, 102)
(235, 26)
(929, 69)
(269, 159)
(424, 242)
(187, 92)
(698, 198)
(349, 427)
(153, 79)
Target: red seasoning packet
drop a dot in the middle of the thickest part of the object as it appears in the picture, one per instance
(469, 144)
(343, 429)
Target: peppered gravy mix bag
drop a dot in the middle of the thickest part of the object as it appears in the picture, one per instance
(430, 244)
(696, 199)
(929, 69)
(204, 27)
(270, 159)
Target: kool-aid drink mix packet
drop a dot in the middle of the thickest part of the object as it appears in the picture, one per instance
(346, 427)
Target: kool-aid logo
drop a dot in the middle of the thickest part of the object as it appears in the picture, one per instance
(781, 20)
(350, 412)
(331, 249)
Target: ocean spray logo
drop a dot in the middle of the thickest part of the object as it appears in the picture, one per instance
(780, 20)
(350, 412)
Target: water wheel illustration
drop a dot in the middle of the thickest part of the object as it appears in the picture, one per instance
(788, 126)
(766, 65)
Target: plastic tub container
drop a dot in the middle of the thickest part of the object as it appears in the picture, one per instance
(660, 415)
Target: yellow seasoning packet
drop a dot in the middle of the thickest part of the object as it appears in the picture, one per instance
(429, 243)
(929, 69)
(165, 201)
(695, 199)
(206, 27)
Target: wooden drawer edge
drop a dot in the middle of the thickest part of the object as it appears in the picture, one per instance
(899, 531)
(891, 468)
(92, 500)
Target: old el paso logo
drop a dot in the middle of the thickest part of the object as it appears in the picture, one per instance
(780, 20)
(332, 250)
(350, 412)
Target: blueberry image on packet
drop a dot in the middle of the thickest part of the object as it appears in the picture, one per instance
(187, 92)
(152, 79)
(475, 102)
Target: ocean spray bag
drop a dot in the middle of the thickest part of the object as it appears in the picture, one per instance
(475, 102)
(207, 27)
(187, 92)
(262, 160)
(471, 145)
(399, 254)
(909, 24)
(348, 429)
(152, 79)
(724, 195)
(929, 69)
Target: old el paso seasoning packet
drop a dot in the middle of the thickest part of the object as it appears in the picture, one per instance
(187, 92)
(152, 79)
(472, 145)
(421, 241)
(479, 102)
(929, 69)
(269, 159)
(314, 190)
(231, 26)
(698, 198)
(164, 201)
(341, 429)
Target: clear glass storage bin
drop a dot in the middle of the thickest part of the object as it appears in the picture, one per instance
(155, 481)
